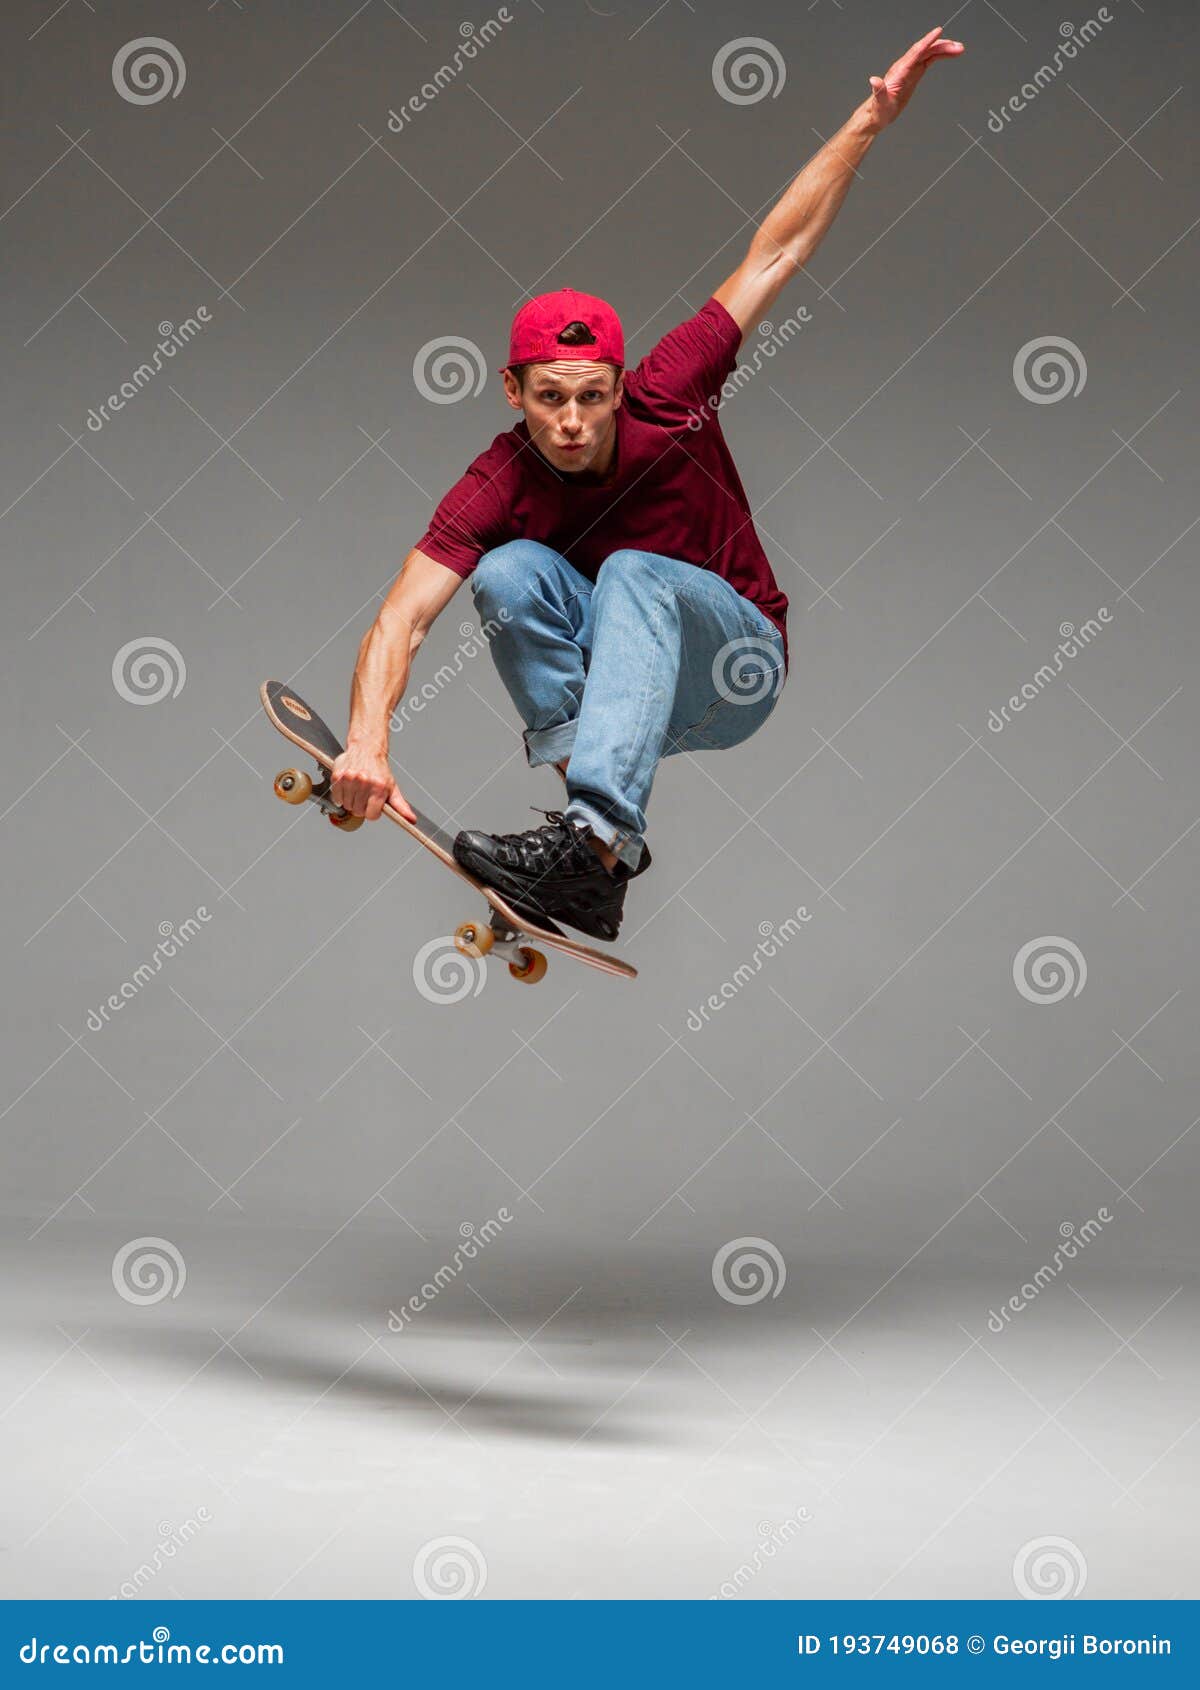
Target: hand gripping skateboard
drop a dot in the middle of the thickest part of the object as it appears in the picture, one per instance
(505, 934)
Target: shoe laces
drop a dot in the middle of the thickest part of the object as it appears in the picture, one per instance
(549, 837)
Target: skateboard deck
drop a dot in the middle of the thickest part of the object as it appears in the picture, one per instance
(506, 932)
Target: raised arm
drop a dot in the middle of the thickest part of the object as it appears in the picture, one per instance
(362, 778)
(794, 229)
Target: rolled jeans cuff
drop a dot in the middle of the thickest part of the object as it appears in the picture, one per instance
(626, 846)
(550, 745)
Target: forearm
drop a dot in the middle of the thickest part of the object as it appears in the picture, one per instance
(793, 230)
(380, 677)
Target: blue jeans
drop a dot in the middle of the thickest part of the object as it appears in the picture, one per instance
(653, 657)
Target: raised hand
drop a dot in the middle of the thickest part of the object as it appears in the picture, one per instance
(892, 92)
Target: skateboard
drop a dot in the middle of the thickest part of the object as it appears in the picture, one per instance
(506, 933)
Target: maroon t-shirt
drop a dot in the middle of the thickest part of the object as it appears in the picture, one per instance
(676, 490)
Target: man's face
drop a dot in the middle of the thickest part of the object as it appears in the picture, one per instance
(569, 408)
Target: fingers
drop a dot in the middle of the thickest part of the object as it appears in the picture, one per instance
(399, 802)
(364, 791)
(360, 795)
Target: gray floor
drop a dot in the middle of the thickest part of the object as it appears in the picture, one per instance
(588, 1433)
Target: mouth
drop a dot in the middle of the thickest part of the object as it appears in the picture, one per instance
(571, 447)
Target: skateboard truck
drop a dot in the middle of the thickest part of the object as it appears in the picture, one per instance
(501, 939)
(294, 787)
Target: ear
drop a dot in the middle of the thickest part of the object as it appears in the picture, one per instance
(512, 391)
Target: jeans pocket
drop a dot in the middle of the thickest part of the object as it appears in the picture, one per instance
(727, 722)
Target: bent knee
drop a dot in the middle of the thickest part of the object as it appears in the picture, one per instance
(629, 568)
(502, 574)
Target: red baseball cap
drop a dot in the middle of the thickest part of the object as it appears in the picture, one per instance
(538, 324)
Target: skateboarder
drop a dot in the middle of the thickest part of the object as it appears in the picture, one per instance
(609, 540)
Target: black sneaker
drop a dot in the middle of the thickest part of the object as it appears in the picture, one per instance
(551, 872)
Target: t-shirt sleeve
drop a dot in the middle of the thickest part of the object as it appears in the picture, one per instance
(469, 521)
(692, 361)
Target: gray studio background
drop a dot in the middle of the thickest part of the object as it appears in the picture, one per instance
(310, 1130)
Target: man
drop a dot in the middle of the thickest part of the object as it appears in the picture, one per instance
(611, 549)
